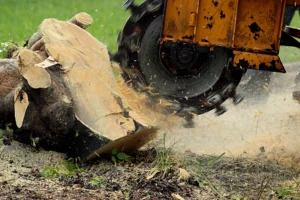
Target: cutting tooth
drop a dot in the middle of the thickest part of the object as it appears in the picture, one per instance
(129, 4)
(130, 45)
(237, 99)
(220, 110)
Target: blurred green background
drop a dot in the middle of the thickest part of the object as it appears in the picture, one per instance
(19, 19)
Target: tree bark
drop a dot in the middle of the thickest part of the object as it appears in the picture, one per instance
(10, 79)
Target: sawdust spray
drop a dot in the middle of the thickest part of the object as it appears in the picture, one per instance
(266, 126)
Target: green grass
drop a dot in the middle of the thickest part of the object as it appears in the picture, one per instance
(19, 19)
(69, 168)
(291, 54)
(164, 161)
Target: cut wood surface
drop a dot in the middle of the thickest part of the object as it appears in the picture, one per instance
(88, 76)
(101, 100)
(82, 20)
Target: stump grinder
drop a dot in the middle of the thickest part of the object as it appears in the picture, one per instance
(195, 52)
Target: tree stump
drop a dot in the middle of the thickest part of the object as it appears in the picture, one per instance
(65, 96)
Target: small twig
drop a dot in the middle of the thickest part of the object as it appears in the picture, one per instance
(263, 187)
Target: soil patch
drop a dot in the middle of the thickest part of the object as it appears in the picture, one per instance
(210, 177)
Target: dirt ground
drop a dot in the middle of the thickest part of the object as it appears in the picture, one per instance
(22, 176)
(259, 138)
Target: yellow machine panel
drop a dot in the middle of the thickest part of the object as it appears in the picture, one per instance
(216, 22)
(257, 61)
(236, 24)
(258, 25)
(248, 26)
(181, 19)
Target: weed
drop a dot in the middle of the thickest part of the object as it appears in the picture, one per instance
(6, 134)
(51, 172)
(163, 162)
(3, 50)
(77, 134)
(1, 134)
(72, 166)
(98, 181)
(7, 49)
(8, 131)
(288, 191)
(119, 156)
(209, 161)
(200, 172)
(68, 168)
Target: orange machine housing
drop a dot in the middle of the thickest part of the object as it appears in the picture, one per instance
(251, 28)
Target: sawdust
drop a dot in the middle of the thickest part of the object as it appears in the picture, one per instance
(147, 110)
(267, 125)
